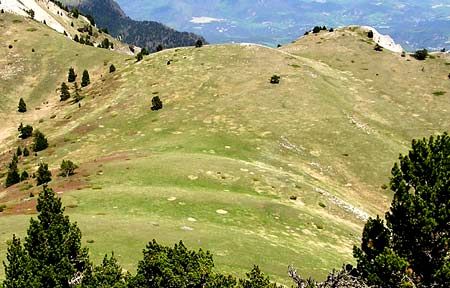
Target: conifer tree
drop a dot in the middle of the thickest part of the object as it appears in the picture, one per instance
(40, 141)
(19, 151)
(72, 76)
(67, 168)
(13, 176)
(65, 94)
(416, 235)
(24, 176)
(52, 254)
(43, 175)
(85, 80)
(25, 131)
(112, 68)
(26, 152)
(22, 108)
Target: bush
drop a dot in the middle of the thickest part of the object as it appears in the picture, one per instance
(159, 48)
(199, 43)
(378, 48)
(19, 151)
(275, 79)
(40, 141)
(67, 168)
(317, 29)
(22, 107)
(112, 68)
(43, 175)
(156, 103)
(421, 54)
(139, 57)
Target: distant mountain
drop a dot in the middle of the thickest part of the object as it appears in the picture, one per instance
(415, 24)
(149, 34)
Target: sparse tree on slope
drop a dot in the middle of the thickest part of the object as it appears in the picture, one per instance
(22, 108)
(85, 80)
(43, 175)
(40, 141)
(65, 94)
(67, 168)
(13, 176)
(72, 76)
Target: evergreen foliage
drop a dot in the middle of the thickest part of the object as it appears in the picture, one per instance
(67, 168)
(199, 43)
(26, 152)
(65, 94)
(77, 97)
(51, 255)
(43, 175)
(421, 54)
(13, 176)
(85, 80)
(24, 176)
(19, 151)
(156, 103)
(112, 68)
(72, 77)
(173, 267)
(40, 141)
(256, 279)
(275, 79)
(413, 247)
(25, 131)
(22, 107)
(370, 34)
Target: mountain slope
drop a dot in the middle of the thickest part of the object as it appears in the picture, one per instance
(148, 34)
(415, 24)
(257, 173)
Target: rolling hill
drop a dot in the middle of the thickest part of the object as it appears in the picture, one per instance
(272, 174)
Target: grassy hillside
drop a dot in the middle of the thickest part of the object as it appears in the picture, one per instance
(220, 166)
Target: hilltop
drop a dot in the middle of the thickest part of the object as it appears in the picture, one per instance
(273, 174)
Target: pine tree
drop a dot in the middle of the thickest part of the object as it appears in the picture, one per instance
(19, 151)
(52, 254)
(40, 141)
(13, 176)
(24, 176)
(25, 131)
(67, 168)
(43, 175)
(77, 97)
(65, 94)
(417, 223)
(26, 152)
(85, 81)
(112, 68)
(22, 108)
(72, 76)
